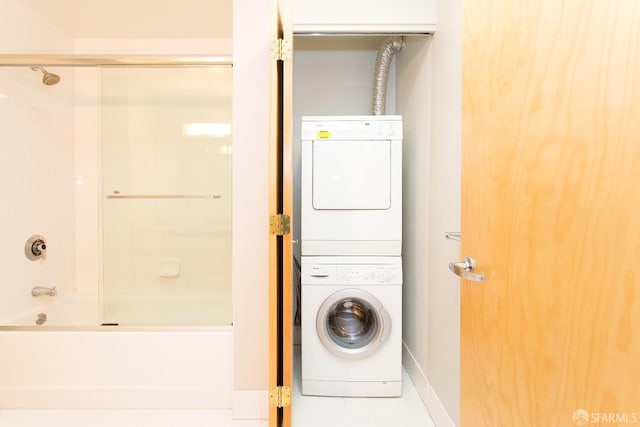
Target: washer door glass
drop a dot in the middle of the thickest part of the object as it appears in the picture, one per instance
(352, 323)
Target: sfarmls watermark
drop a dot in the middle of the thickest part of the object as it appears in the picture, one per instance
(582, 417)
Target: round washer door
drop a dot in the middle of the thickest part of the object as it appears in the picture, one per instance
(352, 323)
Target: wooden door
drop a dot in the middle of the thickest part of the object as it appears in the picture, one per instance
(287, 203)
(280, 200)
(551, 213)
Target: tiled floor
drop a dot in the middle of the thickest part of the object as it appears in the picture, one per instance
(122, 418)
(308, 411)
(315, 411)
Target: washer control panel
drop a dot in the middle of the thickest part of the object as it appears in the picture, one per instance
(369, 274)
(355, 271)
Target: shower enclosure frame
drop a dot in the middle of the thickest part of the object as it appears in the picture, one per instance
(82, 60)
(77, 60)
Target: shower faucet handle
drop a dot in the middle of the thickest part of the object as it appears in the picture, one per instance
(35, 247)
(38, 247)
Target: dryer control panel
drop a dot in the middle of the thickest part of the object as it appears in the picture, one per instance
(352, 128)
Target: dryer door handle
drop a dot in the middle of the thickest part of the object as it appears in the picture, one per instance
(319, 275)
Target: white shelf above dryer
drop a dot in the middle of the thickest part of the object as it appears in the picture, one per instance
(364, 17)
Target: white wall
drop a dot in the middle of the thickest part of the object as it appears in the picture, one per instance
(37, 185)
(429, 97)
(26, 32)
(414, 95)
(443, 367)
(252, 59)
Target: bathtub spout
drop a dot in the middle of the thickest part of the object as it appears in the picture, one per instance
(40, 290)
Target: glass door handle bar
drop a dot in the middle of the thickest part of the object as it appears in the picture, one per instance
(163, 196)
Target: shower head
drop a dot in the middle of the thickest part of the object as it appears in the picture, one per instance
(48, 78)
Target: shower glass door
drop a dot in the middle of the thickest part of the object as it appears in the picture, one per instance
(166, 195)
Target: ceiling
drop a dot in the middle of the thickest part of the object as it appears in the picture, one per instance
(141, 19)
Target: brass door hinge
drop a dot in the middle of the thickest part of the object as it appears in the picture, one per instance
(281, 50)
(280, 224)
(280, 396)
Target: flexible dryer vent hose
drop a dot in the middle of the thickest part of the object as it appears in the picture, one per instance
(389, 47)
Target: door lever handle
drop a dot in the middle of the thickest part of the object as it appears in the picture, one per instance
(465, 268)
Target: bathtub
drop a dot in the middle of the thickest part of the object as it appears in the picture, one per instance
(71, 362)
(147, 310)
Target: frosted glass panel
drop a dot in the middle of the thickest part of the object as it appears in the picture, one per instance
(166, 195)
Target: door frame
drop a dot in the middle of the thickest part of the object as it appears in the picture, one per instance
(280, 205)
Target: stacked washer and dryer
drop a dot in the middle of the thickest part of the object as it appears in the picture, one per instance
(351, 266)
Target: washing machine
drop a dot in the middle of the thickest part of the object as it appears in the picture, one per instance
(351, 326)
(351, 186)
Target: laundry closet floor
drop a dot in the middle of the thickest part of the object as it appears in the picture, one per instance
(316, 411)
(122, 418)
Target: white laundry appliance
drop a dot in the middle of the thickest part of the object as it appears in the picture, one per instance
(351, 198)
(351, 326)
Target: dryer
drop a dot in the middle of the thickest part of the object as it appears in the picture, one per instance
(351, 199)
(351, 326)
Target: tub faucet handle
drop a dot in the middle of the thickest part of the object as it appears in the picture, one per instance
(38, 247)
(35, 247)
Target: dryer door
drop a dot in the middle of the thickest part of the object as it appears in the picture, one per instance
(351, 175)
(352, 324)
